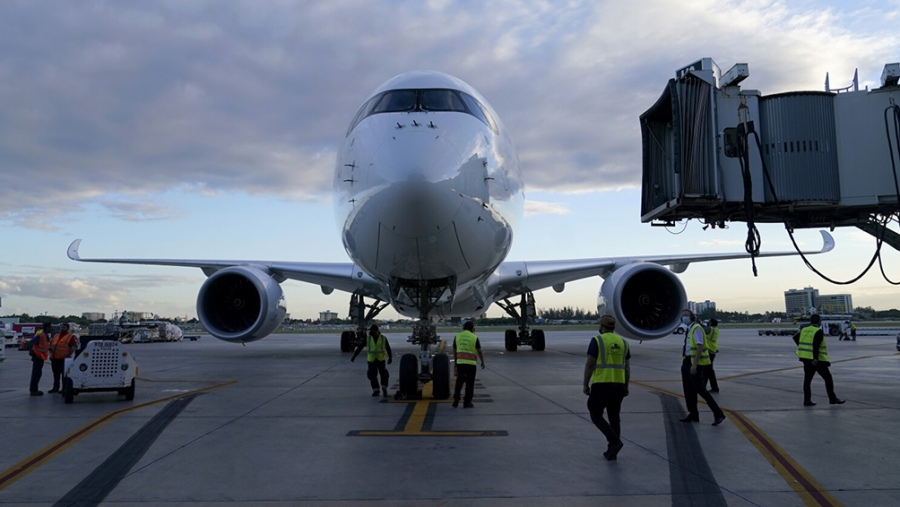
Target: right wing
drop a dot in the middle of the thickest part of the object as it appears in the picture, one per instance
(520, 277)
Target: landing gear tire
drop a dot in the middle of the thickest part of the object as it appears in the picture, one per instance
(129, 391)
(68, 390)
(512, 340)
(347, 341)
(409, 380)
(538, 343)
(441, 377)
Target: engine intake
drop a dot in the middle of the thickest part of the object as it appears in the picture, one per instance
(240, 304)
(645, 298)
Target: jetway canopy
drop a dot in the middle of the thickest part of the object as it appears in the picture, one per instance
(717, 153)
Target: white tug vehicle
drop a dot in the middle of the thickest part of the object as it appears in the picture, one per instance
(102, 365)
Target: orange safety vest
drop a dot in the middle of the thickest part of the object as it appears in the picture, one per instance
(42, 348)
(61, 345)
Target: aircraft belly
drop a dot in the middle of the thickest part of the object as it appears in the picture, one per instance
(434, 256)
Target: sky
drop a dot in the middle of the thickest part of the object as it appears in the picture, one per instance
(209, 129)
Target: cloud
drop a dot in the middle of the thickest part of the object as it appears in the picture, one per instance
(137, 99)
(533, 208)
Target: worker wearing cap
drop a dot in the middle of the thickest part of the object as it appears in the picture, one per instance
(466, 349)
(813, 353)
(606, 375)
(40, 350)
(63, 345)
(694, 370)
(378, 349)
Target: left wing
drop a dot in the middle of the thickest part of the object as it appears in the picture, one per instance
(343, 276)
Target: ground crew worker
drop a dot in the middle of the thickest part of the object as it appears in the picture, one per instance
(694, 370)
(40, 350)
(852, 331)
(377, 348)
(813, 353)
(712, 343)
(466, 349)
(606, 375)
(63, 345)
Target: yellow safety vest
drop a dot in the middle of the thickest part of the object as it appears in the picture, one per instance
(465, 348)
(704, 357)
(805, 347)
(611, 353)
(712, 340)
(375, 348)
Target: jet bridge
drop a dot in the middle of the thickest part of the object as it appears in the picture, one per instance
(718, 153)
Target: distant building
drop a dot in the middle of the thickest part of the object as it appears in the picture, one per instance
(835, 303)
(797, 301)
(327, 315)
(93, 316)
(701, 307)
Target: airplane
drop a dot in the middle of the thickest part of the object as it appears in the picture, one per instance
(428, 193)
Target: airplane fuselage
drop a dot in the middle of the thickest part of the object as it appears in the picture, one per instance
(427, 192)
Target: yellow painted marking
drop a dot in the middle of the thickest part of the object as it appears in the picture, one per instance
(810, 491)
(417, 420)
(415, 425)
(798, 478)
(37, 459)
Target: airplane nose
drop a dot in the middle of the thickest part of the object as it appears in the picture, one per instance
(416, 155)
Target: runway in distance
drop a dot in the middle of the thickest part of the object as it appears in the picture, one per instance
(428, 193)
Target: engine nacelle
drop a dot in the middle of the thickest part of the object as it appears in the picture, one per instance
(240, 304)
(645, 298)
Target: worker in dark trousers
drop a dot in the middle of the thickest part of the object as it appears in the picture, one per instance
(378, 349)
(694, 369)
(606, 375)
(39, 350)
(813, 353)
(466, 349)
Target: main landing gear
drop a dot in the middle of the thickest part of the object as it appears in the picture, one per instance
(522, 315)
(361, 314)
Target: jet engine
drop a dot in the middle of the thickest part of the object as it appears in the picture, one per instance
(240, 304)
(645, 298)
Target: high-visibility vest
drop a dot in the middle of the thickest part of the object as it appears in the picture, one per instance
(805, 347)
(60, 345)
(704, 357)
(465, 348)
(712, 340)
(42, 349)
(611, 353)
(375, 348)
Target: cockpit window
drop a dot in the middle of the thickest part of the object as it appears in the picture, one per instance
(432, 99)
(442, 100)
(396, 101)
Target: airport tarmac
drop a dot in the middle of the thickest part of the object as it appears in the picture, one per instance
(290, 420)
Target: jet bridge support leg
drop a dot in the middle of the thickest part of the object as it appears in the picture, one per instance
(522, 312)
(878, 230)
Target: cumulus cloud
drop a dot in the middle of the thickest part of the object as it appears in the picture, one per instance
(112, 98)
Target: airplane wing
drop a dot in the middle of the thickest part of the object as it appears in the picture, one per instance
(519, 277)
(343, 276)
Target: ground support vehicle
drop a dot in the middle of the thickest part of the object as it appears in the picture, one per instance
(101, 364)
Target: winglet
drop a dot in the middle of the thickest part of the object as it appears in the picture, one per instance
(73, 250)
(827, 242)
